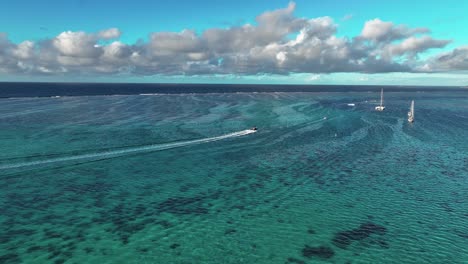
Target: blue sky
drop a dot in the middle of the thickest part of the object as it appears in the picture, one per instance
(428, 45)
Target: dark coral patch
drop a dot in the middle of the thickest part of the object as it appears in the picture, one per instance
(19, 232)
(345, 238)
(50, 234)
(59, 261)
(124, 238)
(229, 231)
(382, 243)
(174, 246)
(461, 234)
(164, 223)
(54, 253)
(188, 186)
(34, 248)
(372, 228)
(295, 260)
(183, 206)
(10, 258)
(323, 252)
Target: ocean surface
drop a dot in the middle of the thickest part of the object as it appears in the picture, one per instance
(149, 176)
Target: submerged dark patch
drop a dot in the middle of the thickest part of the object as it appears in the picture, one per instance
(164, 223)
(229, 231)
(54, 253)
(345, 238)
(52, 234)
(59, 261)
(461, 234)
(295, 260)
(10, 258)
(187, 187)
(34, 248)
(323, 252)
(382, 243)
(19, 232)
(174, 246)
(183, 206)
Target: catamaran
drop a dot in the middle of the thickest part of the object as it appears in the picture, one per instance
(380, 107)
(411, 113)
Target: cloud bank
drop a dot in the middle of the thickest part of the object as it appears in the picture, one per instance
(278, 43)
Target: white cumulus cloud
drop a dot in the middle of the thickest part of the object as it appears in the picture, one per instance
(278, 43)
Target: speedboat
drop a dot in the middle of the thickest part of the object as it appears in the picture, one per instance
(254, 128)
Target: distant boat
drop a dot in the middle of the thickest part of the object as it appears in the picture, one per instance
(380, 107)
(411, 113)
(351, 104)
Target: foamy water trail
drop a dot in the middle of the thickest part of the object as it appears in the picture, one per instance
(122, 152)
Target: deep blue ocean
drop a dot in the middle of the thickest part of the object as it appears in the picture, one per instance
(8, 90)
(167, 173)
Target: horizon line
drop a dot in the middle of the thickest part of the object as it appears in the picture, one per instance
(233, 84)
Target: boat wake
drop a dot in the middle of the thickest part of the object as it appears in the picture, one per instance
(127, 151)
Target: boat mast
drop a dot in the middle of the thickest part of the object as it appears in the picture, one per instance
(381, 97)
(412, 108)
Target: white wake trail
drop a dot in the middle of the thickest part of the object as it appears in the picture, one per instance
(122, 152)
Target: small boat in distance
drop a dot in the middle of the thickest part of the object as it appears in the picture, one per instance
(411, 113)
(380, 107)
(351, 104)
(254, 128)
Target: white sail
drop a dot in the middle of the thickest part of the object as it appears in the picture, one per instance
(381, 107)
(381, 97)
(411, 113)
(412, 109)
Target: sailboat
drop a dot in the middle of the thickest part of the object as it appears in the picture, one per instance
(411, 113)
(380, 107)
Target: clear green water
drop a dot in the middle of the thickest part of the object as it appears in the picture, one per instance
(358, 187)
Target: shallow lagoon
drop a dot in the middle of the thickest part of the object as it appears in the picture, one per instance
(357, 187)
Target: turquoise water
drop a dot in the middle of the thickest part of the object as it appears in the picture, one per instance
(161, 179)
